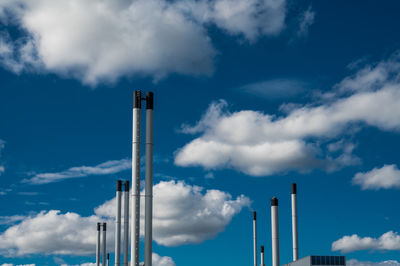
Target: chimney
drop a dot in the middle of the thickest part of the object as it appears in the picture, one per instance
(98, 245)
(255, 238)
(148, 219)
(135, 229)
(275, 231)
(126, 223)
(118, 225)
(108, 259)
(294, 222)
(104, 243)
(262, 256)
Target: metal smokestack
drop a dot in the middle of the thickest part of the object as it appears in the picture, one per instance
(294, 222)
(104, 243)
(98, 245)
(118, 225)
(148, 220)
(135, 212)
(275, 231)
(262, 256)
(255, 237)
(126, 223)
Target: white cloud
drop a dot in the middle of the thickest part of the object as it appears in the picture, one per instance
(354, 262)
(50, 233)
(183, 214)
(387, 241)
(106, 168)
(261, 144)
(103, 40)
(162, 261)
(306, 20)
(385, 177)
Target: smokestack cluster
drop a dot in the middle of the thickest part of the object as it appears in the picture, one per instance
(275, 230)
(148, 224)
(118, 223)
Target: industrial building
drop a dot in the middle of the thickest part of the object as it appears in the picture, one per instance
(319, 260)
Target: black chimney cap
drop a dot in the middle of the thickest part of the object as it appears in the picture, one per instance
(126, 184)
(104, 226)
(254, 215)
(294, 188)
(119, 185)
(137, 99)
(262, 249)
(274, 201)
(98, 226)
(149, 100)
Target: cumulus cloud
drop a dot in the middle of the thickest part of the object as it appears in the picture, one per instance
(183, 214)
(50, 232)
(387, 241)
(125, 38)
(106, 168)
(261, 144)
(354, 262)
(385, 177)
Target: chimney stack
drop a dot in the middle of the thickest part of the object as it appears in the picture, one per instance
(104, 243)
(262, 256)
(255, 238)
(148, 219)
(98, 245)
(275, 231)
(126, 224)
(118, 225)
(135, 229)
(294, 222)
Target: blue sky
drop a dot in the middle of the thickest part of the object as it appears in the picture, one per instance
(250, 96)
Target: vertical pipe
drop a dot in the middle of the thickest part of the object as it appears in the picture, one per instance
(135, 229)
(108, 259)
(262, 256)
(98, 245)
(294, 222)
(126, 223)
(148, 224)
(104, 243)
(275, 231)
(255, 237)
(118, 225)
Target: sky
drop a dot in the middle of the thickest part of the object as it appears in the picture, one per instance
(250, 96)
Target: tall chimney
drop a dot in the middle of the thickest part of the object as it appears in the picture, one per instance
(126, 223)
(262, 256)
(275, 231)
(98, 245)
(104, 243)
(135, 212)
(255, 238)
(118, 225)
(294, 222)
(148, 220)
